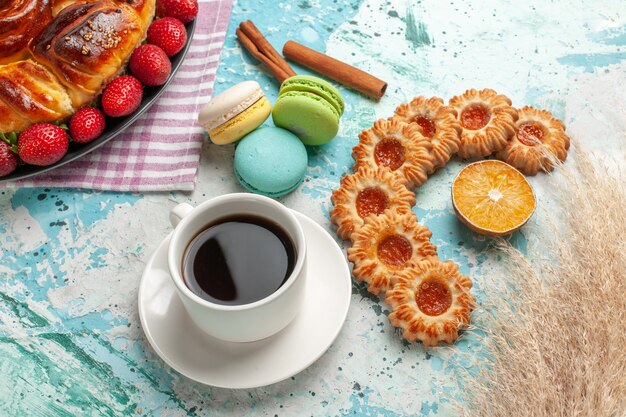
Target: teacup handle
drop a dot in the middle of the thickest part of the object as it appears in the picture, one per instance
(178, 212)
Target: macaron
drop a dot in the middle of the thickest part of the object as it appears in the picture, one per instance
(235, 112)
(270, 161)
(309, 107)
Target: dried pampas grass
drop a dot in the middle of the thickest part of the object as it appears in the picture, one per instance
(555, 331)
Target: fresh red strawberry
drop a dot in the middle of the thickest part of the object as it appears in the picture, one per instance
(8, 158)
(42, 144)
(86, 124)
(150, 65)
(168, 34)
(122, 96)
(183, 10)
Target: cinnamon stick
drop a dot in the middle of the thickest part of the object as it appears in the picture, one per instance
(249, 28)
(336, 70)
(247, 43)
(254, 41)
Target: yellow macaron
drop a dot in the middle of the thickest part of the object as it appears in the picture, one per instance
(235, 112)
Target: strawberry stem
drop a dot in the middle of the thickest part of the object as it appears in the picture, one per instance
(11, 139)
(61, 125)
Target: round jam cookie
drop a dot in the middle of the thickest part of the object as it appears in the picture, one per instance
(438, 124)
(539, 141)
(367, 192)
(270, 161)
(309, 107)
(235, 112)
(431, 302)
(487, 120)
(386, 245)
(397, 146)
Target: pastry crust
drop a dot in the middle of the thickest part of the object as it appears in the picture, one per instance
(437, 123)
(57, 55)
(397, 146)
(367, 192)
(487, 120)
(83, 67)
(29, 94)
(431, 302)
(387, 245)
(20, 20)
(539, 141)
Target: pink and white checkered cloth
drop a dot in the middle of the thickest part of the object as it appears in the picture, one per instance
(161, 150)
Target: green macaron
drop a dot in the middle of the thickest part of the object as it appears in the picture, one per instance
(309, 107)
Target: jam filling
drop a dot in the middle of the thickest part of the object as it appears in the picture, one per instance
(427, 125)
(433, 297)
(394, 250)
(390, 153)
(475, 116)
(530, 134)
(372, 200)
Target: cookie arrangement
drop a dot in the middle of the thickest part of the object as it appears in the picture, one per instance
(391, 252)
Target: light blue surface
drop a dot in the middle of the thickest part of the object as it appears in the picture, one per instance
(70, 339)
(270, 161)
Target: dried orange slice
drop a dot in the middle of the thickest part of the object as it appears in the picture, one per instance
(492, 198)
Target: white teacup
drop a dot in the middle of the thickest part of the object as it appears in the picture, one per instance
(245, 322)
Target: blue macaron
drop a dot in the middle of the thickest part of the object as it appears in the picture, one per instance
(270, 161)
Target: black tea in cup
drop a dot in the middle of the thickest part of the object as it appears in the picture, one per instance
(238, 260)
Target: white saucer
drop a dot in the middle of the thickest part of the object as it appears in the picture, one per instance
(248, 365)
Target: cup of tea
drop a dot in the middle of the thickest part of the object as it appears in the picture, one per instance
(238, 262)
